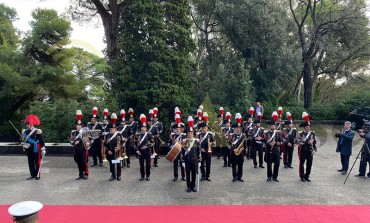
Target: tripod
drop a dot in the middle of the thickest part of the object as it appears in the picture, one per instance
(362, 151)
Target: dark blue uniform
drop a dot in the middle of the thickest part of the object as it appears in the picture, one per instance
(36, 142)
(96, 145)
(112, 144)
(288, 150)
(272, 153)
(206, 156)
(237, 160)
(177, 161)
(143, 146)
(80, 154)
(257, 146)
(156, 133)
(365, 156)
(191, 158)
(306, 151)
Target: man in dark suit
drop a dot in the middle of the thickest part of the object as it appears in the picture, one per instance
(344, 146)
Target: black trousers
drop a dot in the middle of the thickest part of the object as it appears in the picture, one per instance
(191, 172)
(247, 147)
(81, 159)
(227, 156)
(96, 152)
(176, 164)
(365, 160)
(257, 149)
(34, 160)
(237, 165)
(272, 157)
(144, 157)
(305, 156)
(344, 159)
(205, 166)
(288, 155)
(115, 169)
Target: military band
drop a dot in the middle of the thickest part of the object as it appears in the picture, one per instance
(195, 148)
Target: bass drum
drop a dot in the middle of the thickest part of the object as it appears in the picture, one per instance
(174, 152)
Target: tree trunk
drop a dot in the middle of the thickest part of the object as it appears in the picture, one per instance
(307, 81)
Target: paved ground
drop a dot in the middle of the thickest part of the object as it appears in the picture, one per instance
(58, 184)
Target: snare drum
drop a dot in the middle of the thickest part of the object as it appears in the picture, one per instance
(174, 152)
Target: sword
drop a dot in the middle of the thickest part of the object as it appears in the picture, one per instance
(16, 130)
(38, 174)
(198, 178)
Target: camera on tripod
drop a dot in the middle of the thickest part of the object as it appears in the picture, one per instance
(366, 127)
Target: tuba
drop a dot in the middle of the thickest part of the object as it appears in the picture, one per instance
(240, 147)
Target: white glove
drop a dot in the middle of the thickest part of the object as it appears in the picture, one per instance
(183, 165)
(43, 151)
(138, 153)
(198, 164)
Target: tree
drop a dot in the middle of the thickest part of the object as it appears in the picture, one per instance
(110, 13)
(155, 46)
(334, 39)
(259, 32)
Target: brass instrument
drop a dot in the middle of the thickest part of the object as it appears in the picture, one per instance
(86, 142)
(103, 151)
(240, 147)
(124, 152)
(118, 149)
(209, 146)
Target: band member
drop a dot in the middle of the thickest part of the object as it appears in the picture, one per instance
(258, 136)
(199, 121)
(130, 145)
(80, 148)
(190, 156)
(33, 142)
(125, 131)
(113, 144)
(237, 155)
(306, 150)
(217, 127)
(156, 131)
(95, 148)
(206, 141)
(290, 134)
(273, 144)
(144, 143)
(248, 126)
(226, 149)
(177, 136)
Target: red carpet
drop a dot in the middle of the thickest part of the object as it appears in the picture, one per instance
(260, 213)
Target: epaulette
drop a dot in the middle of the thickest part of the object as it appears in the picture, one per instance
(39, 131)
(23, 131)
(262, 128)
(196, 139)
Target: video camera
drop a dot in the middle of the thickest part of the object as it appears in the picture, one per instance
(366, 126)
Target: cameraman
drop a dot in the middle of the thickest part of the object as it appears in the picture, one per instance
(365, 154)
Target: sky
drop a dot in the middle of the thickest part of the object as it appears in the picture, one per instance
(88, 36)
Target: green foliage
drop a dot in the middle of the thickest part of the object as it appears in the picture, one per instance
(155, 44)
